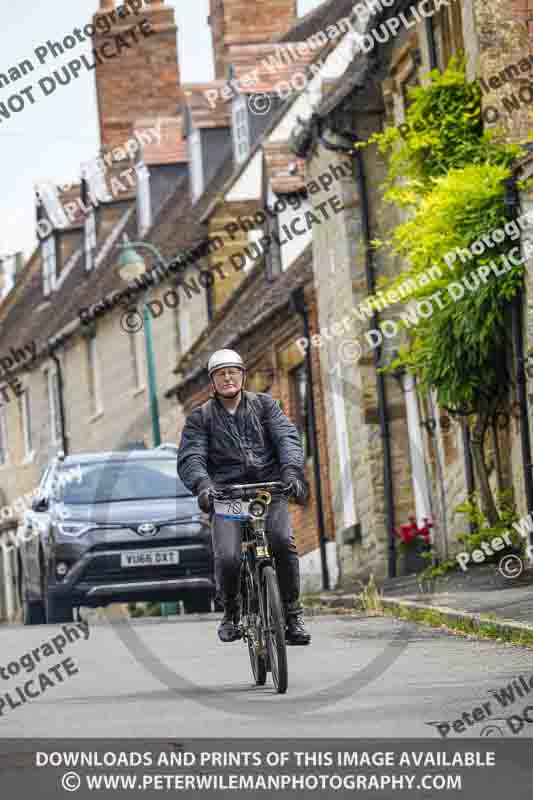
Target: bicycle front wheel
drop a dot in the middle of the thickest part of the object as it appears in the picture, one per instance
(253, 632)
(275, 630)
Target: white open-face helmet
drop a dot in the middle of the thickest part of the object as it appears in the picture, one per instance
(224, 358)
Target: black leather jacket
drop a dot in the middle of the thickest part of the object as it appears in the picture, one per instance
(249, 446)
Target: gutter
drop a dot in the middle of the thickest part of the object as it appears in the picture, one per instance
(469, 468)
(299, 305)
(57, 341)
(512, 204)
(64, 440)
(380, 378)
(432, 45)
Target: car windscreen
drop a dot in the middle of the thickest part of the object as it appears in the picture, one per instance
(113, 481)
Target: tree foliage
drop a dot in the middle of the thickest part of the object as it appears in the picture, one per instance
(448, 173)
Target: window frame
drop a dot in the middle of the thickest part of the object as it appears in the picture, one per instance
(185, 323)
(89, 239)
(448, 33)
(93, 374)
(54, 410)
(196, 163)
(301, 415)
(25, 415)
(144, 201)
(286, 217)
(4, 439)
(240, 129)
(49, 264)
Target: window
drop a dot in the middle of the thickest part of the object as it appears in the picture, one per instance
(49, 265)
(195, 160)
(294, 232)
(136, 362)
(337, 384)
(95, 176)
(25, 414)
(144, 206)
(90, 239)
(299, 401)
(95, 396)
(52, 392)
(240, 130)
(448, 32)
(4, 453)
(185, 330)
(254, 251)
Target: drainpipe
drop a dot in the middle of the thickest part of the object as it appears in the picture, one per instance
(512, 204)
(298, 303)
(357, 158)
(60, 386)
(469, 467)
(432, 46)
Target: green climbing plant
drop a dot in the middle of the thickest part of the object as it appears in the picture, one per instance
(448, 173)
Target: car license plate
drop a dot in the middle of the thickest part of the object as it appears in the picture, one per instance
(232, 509)
(150, 558)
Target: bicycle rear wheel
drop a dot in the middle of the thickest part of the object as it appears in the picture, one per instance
(275, 630)
(256, 647)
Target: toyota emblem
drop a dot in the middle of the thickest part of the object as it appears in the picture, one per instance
(147, 529)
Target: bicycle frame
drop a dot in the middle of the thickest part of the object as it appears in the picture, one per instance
(256, 556)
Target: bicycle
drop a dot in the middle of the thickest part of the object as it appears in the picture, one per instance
(262, 621)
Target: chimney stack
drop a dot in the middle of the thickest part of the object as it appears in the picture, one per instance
(240, 22)
(137, 73)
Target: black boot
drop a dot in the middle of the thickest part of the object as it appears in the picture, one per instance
(295, 632)
(228, 630)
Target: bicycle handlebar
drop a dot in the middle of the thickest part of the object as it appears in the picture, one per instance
(240, 491)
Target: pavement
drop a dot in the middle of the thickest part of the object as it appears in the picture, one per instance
(479, 593)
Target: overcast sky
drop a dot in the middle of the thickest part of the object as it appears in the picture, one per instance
(49, 140)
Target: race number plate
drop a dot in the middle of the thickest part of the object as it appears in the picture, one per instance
(232, 509)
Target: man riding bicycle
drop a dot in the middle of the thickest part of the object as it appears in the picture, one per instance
(243, 437)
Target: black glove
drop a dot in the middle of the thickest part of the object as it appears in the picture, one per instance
(205, 496)
(299, 488)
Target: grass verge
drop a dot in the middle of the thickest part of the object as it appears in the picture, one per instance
(486, 627)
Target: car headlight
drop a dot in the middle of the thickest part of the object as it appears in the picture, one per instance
(74, 529)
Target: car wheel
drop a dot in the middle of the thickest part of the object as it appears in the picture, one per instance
(32, 612)
(198, 604)
(58, 611)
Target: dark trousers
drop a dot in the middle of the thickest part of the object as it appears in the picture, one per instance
(226, 535)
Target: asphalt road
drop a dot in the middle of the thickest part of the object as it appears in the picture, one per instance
(360, 677)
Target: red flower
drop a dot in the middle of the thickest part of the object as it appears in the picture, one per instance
(409, 532)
